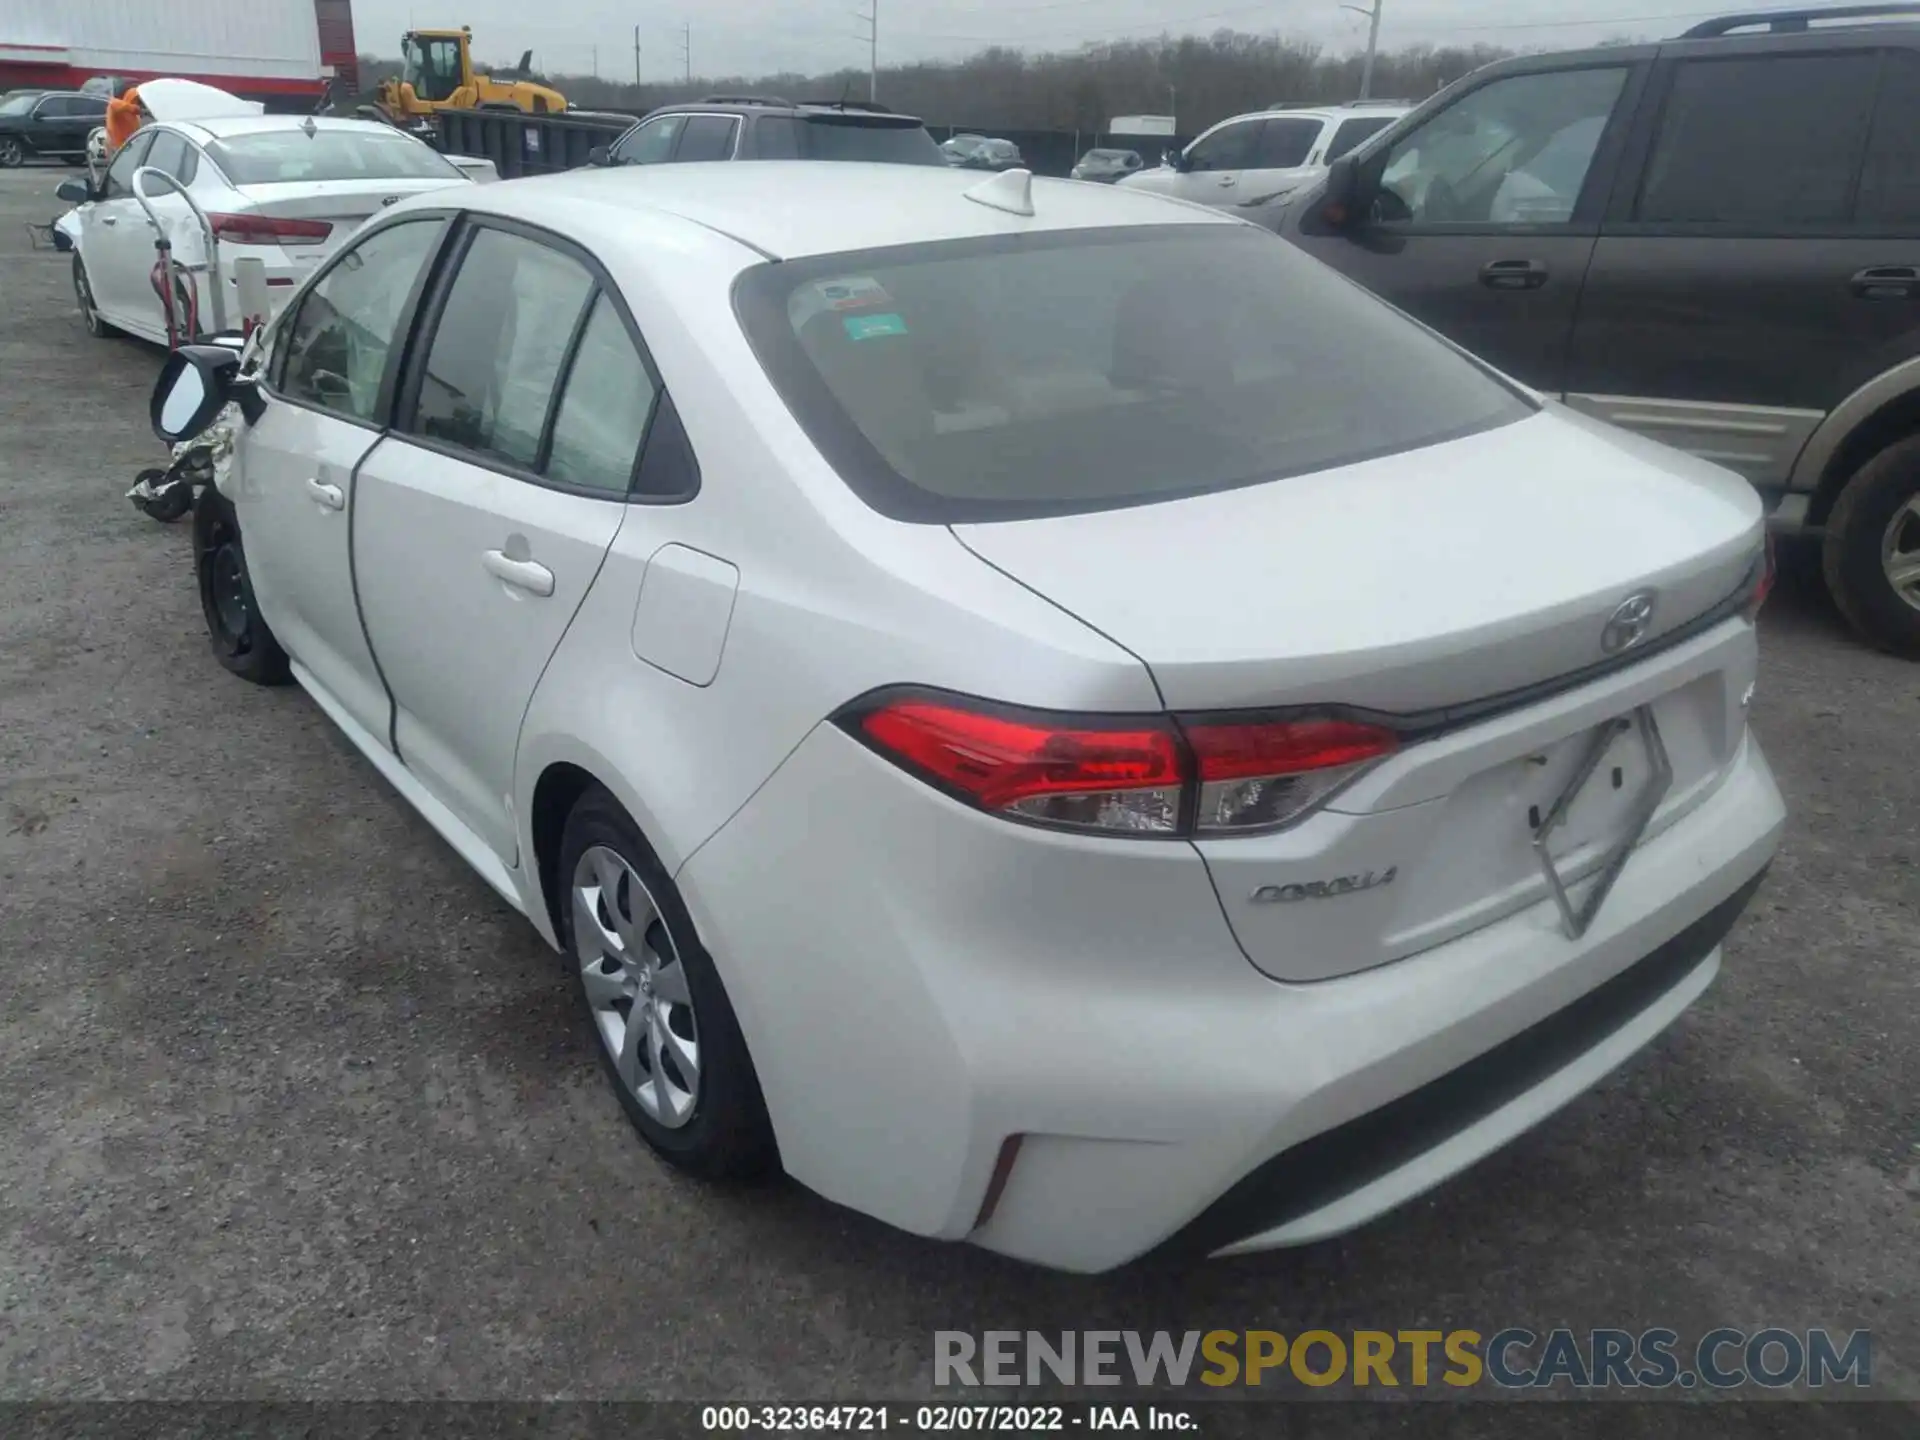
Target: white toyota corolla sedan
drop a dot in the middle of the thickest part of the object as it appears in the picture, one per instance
(1037, 709)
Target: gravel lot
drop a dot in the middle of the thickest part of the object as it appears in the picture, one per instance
(291, 1106)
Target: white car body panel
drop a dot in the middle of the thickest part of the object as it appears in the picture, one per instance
(1253, 185)
(116, 238)
(980, 979)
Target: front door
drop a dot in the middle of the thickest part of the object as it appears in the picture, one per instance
(1767, 263)
(116, 243)
(296, 489)
(1481, 221)
(480, 524)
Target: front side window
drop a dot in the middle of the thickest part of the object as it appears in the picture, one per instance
(337, 342)
(1762, 140)
(1228, 148)
(132, 156)
(1514, 152)
(169, 156)
(1284, 144)
(706, 137)
(652, 143)
(496, 356)
(1058, 373)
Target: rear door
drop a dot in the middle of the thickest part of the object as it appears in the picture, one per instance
(1485, 214)
(1761, 257)
(1283, 147)
(483, 518)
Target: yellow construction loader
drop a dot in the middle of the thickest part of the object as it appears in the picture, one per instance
(439, 75)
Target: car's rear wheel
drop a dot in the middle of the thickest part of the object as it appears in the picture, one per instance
(89, 310)
(666, 1031)
(1871, 555)
(239, 634)
(12, 152)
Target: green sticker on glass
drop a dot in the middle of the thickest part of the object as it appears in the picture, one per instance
(871, 327)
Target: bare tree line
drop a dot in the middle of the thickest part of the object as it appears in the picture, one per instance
(1198, 79)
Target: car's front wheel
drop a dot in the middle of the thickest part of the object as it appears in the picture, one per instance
(666, 1030)
(1871, 555)
(238, 632)
(89, 310)
(12, 152)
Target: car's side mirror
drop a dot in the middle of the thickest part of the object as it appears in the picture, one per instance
(195, 384)
(74, 192)
(1172, 159)
(598, 155)
(1341, 203)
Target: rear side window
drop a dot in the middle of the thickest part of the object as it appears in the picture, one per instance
(502, 337)
(706, 137)
(1759, 141)
(1352, 132)
(1890, 180)
(1075, 371)
(172, 154)
(336, 345)
(604, 412)
(825, 137)
(374, 153)
(1284, 144)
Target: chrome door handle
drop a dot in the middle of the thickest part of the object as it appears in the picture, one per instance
(109, 219)
(331, 496)
(526, 575)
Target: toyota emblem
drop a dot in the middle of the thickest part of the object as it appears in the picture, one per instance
(1630, 623)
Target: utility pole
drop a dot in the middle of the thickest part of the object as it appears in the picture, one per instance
(1373, 44)
(872, 18)
(686, 49)
(596, 62)
(636, 55)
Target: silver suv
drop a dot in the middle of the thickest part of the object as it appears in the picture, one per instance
(1249, 159)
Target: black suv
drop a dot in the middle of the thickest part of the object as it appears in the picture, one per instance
(54, 123)
(1713, 241)
(748, 127)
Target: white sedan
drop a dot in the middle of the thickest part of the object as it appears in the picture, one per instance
(1037, 709)
(283, 188)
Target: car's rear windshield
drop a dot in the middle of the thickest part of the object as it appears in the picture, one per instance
(263, 157)
(836, 137)
(1073, 371)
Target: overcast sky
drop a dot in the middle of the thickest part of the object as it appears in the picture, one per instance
(745, 37)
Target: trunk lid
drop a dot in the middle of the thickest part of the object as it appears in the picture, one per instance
(342, 203)
(1424, 580)
(1419, 585)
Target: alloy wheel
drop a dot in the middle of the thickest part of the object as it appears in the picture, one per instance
(636, 987)
(83, 292)
(1900, 552)
(10, 152)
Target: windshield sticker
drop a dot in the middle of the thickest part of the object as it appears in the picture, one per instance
(872, 327)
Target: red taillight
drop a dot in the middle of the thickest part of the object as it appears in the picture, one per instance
(1135, 775)
(1259, 774)
(1763, 587)
(1123, 776)
(268, 230)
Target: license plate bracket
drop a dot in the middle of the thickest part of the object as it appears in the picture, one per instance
(1576, 919)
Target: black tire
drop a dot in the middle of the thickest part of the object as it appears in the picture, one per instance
(728, 1135)
(1852, 555)
(239, 635)
(89, 312)
(13, 152)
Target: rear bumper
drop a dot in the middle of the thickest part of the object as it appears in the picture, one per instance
(918, 984)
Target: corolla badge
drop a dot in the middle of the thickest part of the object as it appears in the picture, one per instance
(1630, 623)
(1324, 889)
